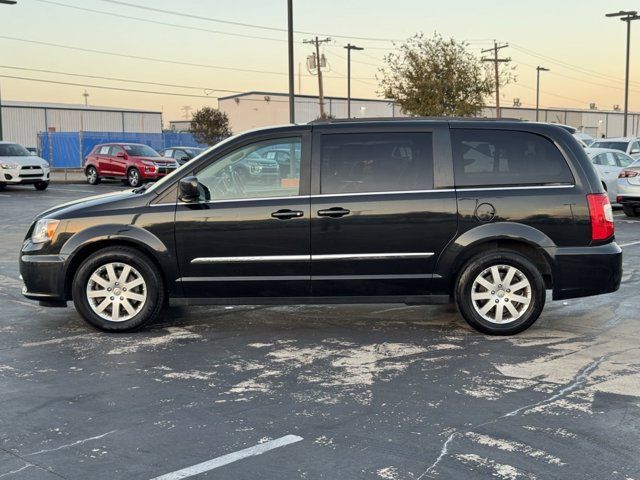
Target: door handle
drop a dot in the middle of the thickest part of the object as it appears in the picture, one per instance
(286, 214)
(334, 212)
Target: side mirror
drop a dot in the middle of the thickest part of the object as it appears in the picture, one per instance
(121, 155)
(184, 158)
(188, 189)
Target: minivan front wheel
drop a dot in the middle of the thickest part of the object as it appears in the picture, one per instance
(118, 289)
(500, 293)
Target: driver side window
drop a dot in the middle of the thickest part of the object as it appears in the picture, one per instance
(270, 168)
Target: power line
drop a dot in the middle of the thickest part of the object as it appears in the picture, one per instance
(158, 22)
(101, 77)
(240, 24)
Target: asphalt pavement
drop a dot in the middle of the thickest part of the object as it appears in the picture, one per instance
(337, 392)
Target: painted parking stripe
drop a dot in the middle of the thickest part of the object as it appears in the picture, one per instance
(230, 458)
(622, 245)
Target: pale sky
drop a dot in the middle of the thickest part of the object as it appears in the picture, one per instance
(583, 49)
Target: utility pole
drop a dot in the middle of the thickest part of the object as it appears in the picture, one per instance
(626, 16)
(292, 98)
(496, 62)
(315, 41)
(186, 109)
(538, 70)
(349, 47)
(86, 98)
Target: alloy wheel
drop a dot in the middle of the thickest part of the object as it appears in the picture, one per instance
(116, 292)
(501, 294)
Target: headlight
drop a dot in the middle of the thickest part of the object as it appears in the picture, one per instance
(148, 163)
(44, 230)
(45, 164)
(9, 166)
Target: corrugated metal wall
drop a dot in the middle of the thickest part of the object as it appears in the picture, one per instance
(22, 124)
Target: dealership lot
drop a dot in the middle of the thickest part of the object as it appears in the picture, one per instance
(377, 391)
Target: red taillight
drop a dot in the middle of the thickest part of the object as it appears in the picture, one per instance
(601, 216)
(627, 174)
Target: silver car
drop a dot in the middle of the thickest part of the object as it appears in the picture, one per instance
(629, 189)
(609, 163)
(628, 145)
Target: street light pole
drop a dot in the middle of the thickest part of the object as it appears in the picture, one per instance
(5, 2)
(626, 16)
(538, 70)
(292, 108)
(349, 47)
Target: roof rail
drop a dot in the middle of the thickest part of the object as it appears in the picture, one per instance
(409, 119)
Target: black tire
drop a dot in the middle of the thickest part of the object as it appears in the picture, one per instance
(92, 175)
(629, 211)
(3, 185)
(41, 185)
(480, 264)
(149, 311)
(133, 177)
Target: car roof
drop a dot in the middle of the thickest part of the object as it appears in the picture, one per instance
(179, 146)
(121, 143)
(617, 139)
(596, 151)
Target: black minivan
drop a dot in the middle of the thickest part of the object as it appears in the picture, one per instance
(489, 214)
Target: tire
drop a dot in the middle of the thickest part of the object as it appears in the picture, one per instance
(629, 211)
(133, 177)
(496, 293)
(92, 175)
(145, 298)
(2, 186)
(41, 185)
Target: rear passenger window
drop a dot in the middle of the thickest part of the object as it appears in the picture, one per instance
(506, 158)
(376, 162)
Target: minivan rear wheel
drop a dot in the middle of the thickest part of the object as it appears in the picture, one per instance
(500, 293)
(118, 289)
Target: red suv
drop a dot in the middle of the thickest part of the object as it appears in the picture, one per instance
(131, 162)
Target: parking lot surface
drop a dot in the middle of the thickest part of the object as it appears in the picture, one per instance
(377, 391)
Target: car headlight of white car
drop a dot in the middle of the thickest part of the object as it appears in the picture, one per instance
(9, 166)
(44, 230)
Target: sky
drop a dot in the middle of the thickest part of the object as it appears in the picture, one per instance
(584, 51)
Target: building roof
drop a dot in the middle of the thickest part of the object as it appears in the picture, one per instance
(71, 106)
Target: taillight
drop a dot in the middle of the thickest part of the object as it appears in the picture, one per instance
(627, 174)
(601, 216)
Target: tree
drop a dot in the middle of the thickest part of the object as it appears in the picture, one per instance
(209, 125)
(437, 77)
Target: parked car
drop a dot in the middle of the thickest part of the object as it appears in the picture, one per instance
(628, 145)
(609, 163)
(585, 138)
(181, 154)
(133, 163)
(488, 214)
(628, 186)
(18, 166)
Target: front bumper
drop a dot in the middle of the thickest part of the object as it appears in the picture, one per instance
(158, 172)
(21, 176)
(43, 277)
(586, 271)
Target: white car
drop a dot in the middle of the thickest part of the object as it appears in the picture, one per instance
(18, 166)
(609, 163)
(628, 145)
(584, 138)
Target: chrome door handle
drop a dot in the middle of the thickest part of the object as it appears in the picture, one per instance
(334, 212)
(286, 214)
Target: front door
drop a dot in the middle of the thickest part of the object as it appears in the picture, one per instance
(118, 163)
(248, 236)
(378, 219)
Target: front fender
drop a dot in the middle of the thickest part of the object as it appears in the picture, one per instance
(490, 232)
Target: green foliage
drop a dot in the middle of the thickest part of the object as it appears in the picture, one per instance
(209, 125)
(437, 77)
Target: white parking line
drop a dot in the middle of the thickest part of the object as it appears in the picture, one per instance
(622, 245)
(230, 458)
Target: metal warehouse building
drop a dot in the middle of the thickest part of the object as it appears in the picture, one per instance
(23, 121)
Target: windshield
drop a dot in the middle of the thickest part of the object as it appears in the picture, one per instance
(13, 150)
(192, 152)
(622, 146)
(140, 151)
(180, 171)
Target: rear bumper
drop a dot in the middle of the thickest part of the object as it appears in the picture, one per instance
(586, 271)
(629, 200)
(43, 277)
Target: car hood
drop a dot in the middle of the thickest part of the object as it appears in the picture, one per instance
(155, 159)
(111, 200)
(22, 160)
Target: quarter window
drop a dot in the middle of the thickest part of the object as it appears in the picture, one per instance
(623, 160)
(168, 153)
(376, 162)
(253, 172)
(506, 158)
(104, 150)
